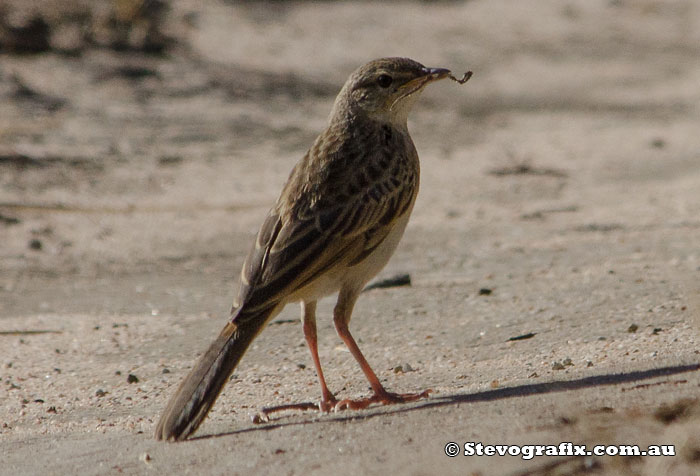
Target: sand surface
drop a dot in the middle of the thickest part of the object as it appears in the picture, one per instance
(560, 197)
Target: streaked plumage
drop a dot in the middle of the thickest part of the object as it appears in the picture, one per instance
(336, 223)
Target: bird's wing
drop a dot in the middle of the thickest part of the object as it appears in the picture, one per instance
(297, 244)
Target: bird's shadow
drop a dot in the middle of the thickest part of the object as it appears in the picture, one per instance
(485, 396)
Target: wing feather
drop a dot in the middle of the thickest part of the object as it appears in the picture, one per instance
(337, 219)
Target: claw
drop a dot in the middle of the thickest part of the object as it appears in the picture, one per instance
(324, 406)
(386, 398)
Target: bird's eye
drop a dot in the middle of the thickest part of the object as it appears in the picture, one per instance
(384, 80)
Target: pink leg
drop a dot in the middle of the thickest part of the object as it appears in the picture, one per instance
(328, 400)
(341, 318)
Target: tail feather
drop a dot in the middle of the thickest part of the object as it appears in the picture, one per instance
(199, 390)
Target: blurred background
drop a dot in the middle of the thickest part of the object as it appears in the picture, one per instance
(138, 132)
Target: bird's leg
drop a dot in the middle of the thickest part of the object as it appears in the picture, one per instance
(328, 401)
(341, 318)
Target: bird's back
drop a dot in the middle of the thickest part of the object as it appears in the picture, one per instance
(339, 204)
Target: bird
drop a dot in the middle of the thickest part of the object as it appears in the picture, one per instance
(335, 225)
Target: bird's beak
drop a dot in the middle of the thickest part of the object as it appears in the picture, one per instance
(428, 75)
(417, 84)
(435, 74)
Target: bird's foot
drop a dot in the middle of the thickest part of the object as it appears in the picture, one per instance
(385, 398)
(324, 406)
(327, 404)
(263, 416)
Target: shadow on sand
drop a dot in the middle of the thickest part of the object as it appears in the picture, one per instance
(485, 396)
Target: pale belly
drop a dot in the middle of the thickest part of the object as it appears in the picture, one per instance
(355, 277)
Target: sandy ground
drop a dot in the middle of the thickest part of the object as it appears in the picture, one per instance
(560, 198)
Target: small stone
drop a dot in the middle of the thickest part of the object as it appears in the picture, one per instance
(658, 143)
(168, 160)
(566, 420)
(632, 328)
(589, 363)
(258, 418)
(398, 369)
(35, 244)
(100, 393)
(398, 280)
(131, 378)
(494, 384)
(166, 371)
(301, 366)
(146, 458)
(567, 362)
(557, 366)
(529, 335)
(8, 220)
(485, 292)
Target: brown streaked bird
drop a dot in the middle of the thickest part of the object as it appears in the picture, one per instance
(335, 225)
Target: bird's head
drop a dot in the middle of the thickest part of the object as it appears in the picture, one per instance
(386, 89)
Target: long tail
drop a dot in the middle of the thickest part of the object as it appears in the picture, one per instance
(198, 392)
